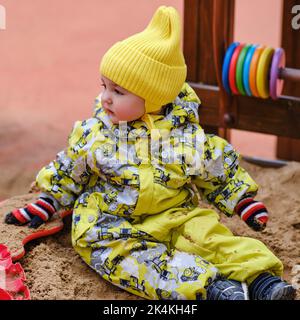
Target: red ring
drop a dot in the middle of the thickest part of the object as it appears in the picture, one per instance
(232, 69)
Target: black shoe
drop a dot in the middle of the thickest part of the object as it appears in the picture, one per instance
(268, 287)
(224, 289)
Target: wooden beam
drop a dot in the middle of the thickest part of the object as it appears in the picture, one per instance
(190, 36)
(222, 26)
(278, 117)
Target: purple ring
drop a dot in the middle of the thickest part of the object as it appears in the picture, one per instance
(276, 84)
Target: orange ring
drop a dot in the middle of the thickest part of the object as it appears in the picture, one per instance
(253, 69)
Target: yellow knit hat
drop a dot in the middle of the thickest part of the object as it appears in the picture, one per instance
(150, 64)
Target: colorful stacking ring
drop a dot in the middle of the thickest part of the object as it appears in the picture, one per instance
(276, 84)
(262, 73)
(232, 69)
(239, 69)
(253, 69)
(226, 64)
(246, 70)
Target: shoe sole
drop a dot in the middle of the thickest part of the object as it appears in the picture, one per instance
(284, 293)
(226, 290)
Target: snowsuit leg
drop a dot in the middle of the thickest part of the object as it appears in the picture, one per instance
(238, 258)
(133, 260)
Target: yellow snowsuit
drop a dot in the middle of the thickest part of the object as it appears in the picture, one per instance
(135, 218)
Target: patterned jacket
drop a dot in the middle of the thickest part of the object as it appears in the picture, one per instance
(119, 170)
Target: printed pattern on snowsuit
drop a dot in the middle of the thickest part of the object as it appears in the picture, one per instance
(136, 220)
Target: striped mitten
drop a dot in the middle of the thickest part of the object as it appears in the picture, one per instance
(254, 213)
(36, 213)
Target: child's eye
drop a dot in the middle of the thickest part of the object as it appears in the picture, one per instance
(103, 85)
(118, 92)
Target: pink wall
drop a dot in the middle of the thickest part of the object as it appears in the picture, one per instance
(258, 21)
(51, 49)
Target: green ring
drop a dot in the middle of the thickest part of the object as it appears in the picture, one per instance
(239, 69)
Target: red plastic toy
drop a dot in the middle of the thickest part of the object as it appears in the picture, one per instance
(12, 278)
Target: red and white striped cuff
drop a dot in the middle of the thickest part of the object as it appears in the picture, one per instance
(43, 208)
(248, 208)
(21, 215)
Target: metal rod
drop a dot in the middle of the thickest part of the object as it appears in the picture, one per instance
(289, 74)
(265, 162)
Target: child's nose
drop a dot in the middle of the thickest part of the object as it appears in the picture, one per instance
(106, 97)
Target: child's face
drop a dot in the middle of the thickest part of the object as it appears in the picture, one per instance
(120, 104)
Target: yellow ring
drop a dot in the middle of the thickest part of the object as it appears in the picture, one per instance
(263, 70)
(253, 70)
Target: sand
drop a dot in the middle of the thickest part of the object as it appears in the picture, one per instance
(55, 271)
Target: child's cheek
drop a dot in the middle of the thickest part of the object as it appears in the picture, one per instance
(127, 113)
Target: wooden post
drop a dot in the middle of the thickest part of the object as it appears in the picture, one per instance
(198, 43)
(288, 148)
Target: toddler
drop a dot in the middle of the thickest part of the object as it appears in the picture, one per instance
(132, 174)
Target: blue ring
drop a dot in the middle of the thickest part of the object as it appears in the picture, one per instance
(226, 64)
(246, 69)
